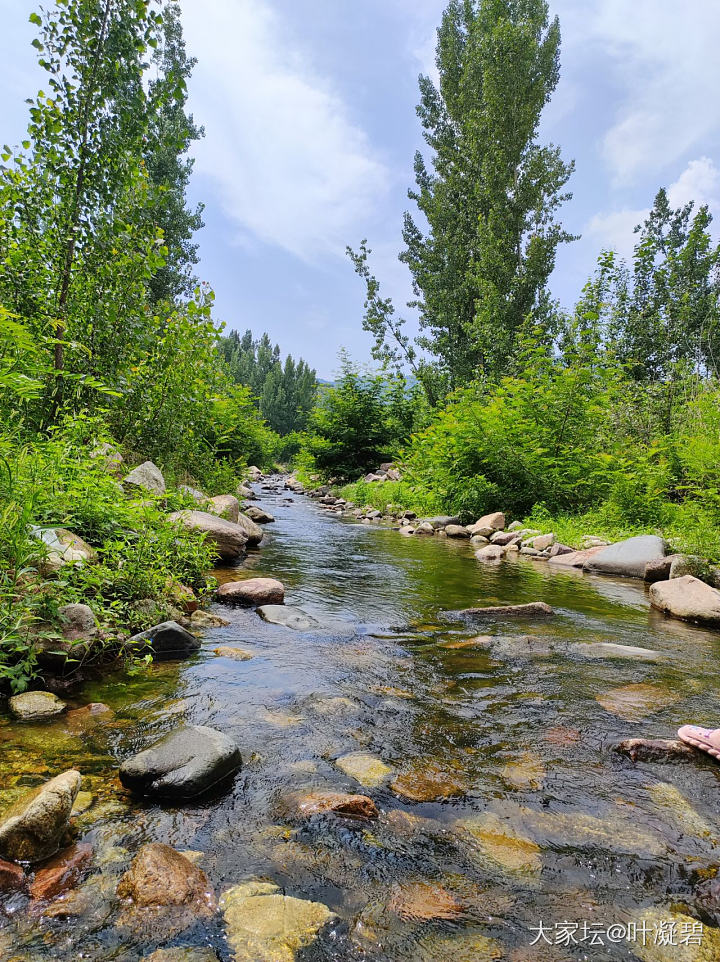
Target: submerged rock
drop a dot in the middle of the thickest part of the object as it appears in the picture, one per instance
(533, 609)
(672, 801)
(229, 538)
(365, 768)
(500, 846)
(253, 592)
(166, 640)
(147, 477)
(237, 654)
(424, 902)
(635, 702)
(705, 948)
(204, 619)
(12, 877)
(186, 763)
(62, 872)
(687, 598)
(429, 781)
(657, 750)
(36, 705)
(264, 925)
(34, 827)
(288, 617)
(607, 649)
(183, 954)
(628, 558)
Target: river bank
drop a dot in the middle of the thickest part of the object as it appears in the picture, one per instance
(489, 760)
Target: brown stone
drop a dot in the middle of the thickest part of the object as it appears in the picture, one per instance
(253, 592)
(61, 873)
(657, 750)
(635, 702)
(160, 876)
(89, 715)
(347, 806)
(12, 877)
(575, 559)
(229, 538)
(237, 654)
(687, 598)
(659, 570)
(429, 782)
(424, 902)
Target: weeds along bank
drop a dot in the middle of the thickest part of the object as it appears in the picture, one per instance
(94, 550)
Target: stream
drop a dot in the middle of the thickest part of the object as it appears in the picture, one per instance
(505, 810)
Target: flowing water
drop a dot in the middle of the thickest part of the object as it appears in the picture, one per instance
(505, 808)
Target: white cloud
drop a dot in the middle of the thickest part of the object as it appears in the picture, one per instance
(292, 167)
(662, 57)
(699, 182)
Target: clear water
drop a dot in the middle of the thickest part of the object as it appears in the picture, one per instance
(541, 821)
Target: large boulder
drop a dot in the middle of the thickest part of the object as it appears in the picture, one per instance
(258, 515)
(627, 558)
(443, 520)
(687, 598)
(254, 473)
(265, 925)
(494, 521)
(145, 477)
(253, 592)
(62, 547)
(246, 493)
(253, 532)
(34, 827)
(491, 552)
(224, 506)
(167, 640)
(288, 617)
(36, 705)
(161, 876)
(456, 531)
(194, 493)
(229, 538)
(184, 764)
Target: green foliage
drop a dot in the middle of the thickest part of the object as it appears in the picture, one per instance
(285, 392)
(359, 422)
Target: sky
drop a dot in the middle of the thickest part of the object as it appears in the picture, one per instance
(310, 130)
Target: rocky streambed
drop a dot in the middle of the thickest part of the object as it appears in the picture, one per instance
(385, 781)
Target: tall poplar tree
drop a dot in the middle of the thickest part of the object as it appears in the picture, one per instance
(490, 193)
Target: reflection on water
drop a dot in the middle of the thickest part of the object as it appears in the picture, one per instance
(501, 802)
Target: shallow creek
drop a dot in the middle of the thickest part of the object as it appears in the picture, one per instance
(529, 816)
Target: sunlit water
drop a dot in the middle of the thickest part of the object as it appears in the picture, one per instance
(542, 822)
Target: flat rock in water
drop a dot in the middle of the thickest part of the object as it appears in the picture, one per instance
(237, 654)
(429, 782)
(252, 592)
(574, 559)
(635, 702)
(657, 920)
(607, 649)
(534, 609)
(184, 764)
(33, 828)
(182, 954)
(657, 750)
(365, 768)
(627, 558)
(62, 872)
(334, 803)
(687, 598)
(12, 877)
(229, 538)
(36, 705)
(166, 640)
(265, 925)
(424, 902)
(499, 846)
(288, 617)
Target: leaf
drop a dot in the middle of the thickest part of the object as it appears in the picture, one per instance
(35, 18)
